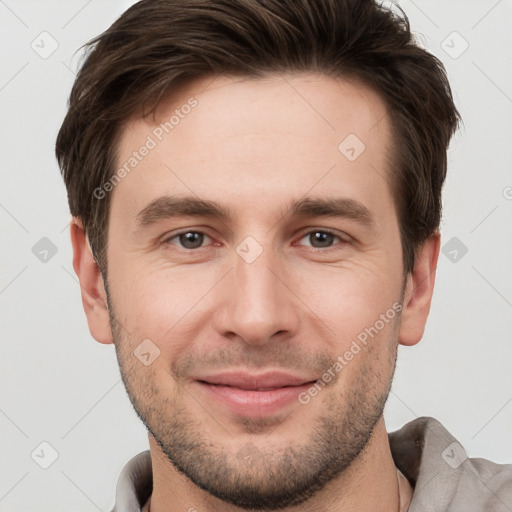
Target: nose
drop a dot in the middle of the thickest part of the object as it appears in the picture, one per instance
(257, 301)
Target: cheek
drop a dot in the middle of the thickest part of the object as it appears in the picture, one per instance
(164, 305)
(349, 299)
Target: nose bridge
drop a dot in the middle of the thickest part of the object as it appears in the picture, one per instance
(253, 276)
(258, 304)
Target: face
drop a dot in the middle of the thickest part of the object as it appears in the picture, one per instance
(247, 247)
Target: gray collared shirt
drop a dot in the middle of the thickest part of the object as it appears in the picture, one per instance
(443, 477)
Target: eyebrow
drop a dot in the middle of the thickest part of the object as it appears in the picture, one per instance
(167, 207)
(333, 207)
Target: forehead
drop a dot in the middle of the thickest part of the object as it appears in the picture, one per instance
(233, 140)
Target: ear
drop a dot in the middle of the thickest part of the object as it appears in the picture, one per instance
(94, 298)
(418, 292)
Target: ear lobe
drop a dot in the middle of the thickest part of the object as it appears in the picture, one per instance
(418, 292)
(94, 298)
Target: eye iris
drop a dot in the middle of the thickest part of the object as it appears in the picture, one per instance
(191, 240)
(324, 239)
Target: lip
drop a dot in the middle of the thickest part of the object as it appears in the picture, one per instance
(254, 395)
(248, 381)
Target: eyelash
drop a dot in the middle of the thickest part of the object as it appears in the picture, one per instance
(167, 241)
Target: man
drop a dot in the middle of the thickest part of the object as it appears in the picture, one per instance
(256, 193)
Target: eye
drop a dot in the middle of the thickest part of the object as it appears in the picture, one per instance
(188, 239)
(320, 239)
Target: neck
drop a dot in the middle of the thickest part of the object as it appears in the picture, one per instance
(369, 483)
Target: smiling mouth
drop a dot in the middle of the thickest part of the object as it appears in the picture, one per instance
(253, 401)
(246, 388)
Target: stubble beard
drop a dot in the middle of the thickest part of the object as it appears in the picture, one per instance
(258, 475)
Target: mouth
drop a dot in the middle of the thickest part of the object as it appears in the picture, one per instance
(264, 382)
(244, 388)
(254, 395)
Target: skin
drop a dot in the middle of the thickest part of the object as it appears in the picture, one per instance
(254, 146)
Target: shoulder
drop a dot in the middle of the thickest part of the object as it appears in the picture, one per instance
(443, 476)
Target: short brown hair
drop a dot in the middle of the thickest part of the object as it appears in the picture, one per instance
(157, 44)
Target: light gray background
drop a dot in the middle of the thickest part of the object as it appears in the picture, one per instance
(60, 386)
